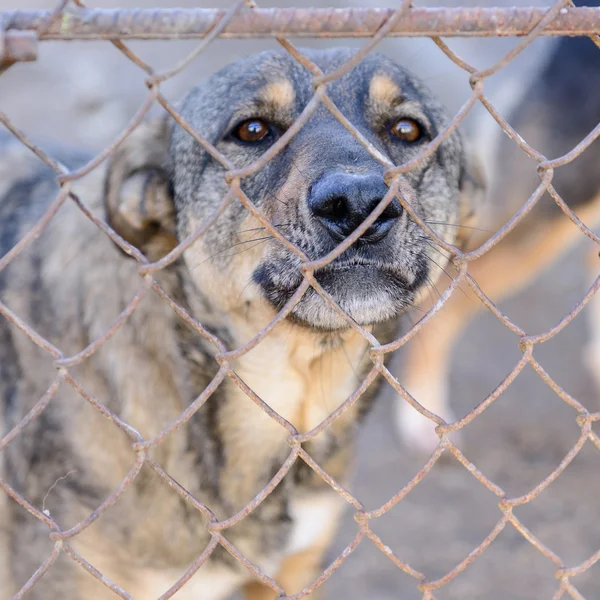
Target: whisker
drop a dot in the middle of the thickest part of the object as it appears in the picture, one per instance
(298, 169)
(276, 198)
(441, 269)
(258, 240)
(432, 287)
(250, 282)
(261, 228)
(418, 309)
(354, 370)
(438, 250)
(449, 277)
(455, 225)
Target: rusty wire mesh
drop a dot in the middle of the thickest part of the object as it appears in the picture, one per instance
(393, 21)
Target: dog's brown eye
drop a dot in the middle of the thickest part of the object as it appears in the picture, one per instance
(252, 130)
(407, 130)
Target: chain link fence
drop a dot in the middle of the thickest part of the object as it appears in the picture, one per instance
(20, 34)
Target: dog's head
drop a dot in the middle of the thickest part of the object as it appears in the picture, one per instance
(315, 191)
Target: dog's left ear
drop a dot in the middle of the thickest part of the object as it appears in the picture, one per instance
(473, 187)
(138, 198)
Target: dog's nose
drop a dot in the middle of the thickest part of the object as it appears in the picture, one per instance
(342, 201)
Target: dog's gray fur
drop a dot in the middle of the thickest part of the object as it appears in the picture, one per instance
(72, 283)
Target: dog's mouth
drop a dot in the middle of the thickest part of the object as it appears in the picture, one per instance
(367, 291)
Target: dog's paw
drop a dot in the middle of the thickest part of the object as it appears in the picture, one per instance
(591, 359)
(417, 433)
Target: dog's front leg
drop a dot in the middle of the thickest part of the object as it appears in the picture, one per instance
(297, 572)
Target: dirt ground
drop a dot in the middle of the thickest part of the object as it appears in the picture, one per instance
(89, 92)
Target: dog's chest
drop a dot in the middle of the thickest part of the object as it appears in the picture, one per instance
(314, 517)
(210, 582)
(302, 376)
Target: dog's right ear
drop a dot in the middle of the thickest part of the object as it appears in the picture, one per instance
(138, 198)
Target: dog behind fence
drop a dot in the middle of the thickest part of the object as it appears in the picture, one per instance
(244, 20)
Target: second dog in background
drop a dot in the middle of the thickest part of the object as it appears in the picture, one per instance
(553, 116)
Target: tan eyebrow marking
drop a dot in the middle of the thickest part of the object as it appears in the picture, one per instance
(279, 93)
(382, 90)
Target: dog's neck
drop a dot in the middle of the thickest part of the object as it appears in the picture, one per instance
(301, 374)
(293, 365)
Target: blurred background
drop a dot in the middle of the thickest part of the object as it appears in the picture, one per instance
(85, 92)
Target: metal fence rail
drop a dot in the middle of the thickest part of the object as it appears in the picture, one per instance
(246, 21)
(302, 22)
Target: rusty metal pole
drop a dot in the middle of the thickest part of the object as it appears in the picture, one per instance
(93, 24)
